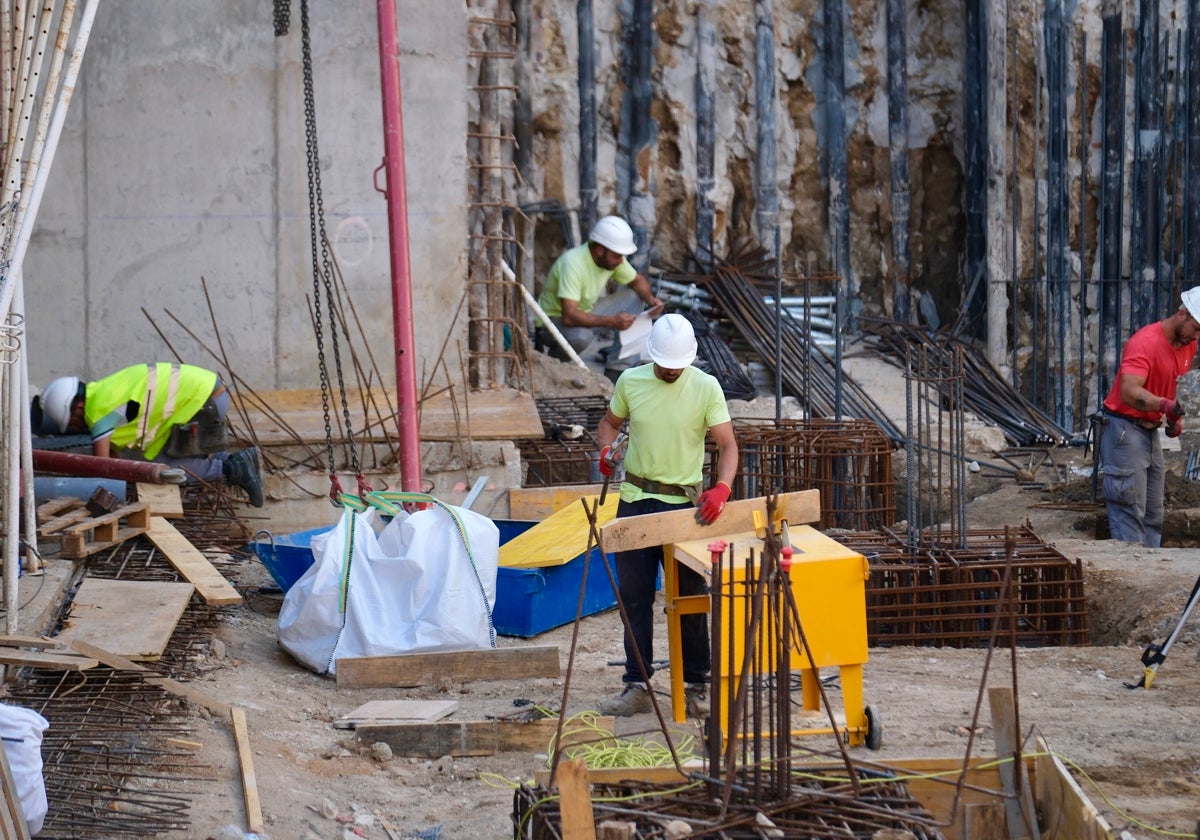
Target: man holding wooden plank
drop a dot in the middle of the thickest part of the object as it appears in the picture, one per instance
(670, 406)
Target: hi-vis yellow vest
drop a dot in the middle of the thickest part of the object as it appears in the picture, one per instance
(167, 395)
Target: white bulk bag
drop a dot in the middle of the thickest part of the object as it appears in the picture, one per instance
(21, 732)
(424, 582)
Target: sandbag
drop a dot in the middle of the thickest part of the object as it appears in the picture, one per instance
(21, 731)
(422, 582)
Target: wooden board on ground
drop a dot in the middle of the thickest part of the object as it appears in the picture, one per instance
(241, 737)
(533, 504)
(415, 669)
(382, 712)
(210, 584)
(164, 499)
(494, 414)
(80, 534)
(482, 737)
(1057, 793)
(131, 618)
(48, 661)
(120, 663)
(558, 539)
(674, 526)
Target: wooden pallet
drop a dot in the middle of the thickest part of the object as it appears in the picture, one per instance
(80, 534)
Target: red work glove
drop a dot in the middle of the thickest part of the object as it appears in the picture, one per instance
(1175, 429)
(712, 502)
(1171, 410)
(608, 461)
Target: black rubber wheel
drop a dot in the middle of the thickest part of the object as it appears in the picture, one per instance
(874, 728)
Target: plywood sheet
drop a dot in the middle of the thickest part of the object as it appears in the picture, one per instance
(133, 619)
(164, 499)
(396, 711)
(495, 414)
(559, 538)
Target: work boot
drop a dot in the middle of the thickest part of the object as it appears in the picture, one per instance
(634, 699)
(696, 700)
(241, 470)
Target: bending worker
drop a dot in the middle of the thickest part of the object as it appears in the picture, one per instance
(670, 406)
(172, 414)
(1141, 400)
(579, 277)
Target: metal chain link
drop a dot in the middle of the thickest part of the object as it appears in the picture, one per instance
(321, 266)
(283, 13)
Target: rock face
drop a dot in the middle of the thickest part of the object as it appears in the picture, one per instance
(656, 176)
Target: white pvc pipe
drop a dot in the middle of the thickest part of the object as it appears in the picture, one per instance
(25, 231)
(543, 317)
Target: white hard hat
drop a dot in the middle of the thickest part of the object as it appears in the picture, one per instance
(614, 233)
(1191, 301)
(672, 342)
(56, 401)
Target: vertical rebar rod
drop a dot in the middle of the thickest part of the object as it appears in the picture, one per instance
(587, 116)
(1191, 172)
(1145, 185)
(766, 179)
(1056, 205)
(706, 48)
(1109, 237)
(835, 148)
(897, 92)
(975, 65)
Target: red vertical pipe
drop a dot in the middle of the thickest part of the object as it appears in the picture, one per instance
(397, 204)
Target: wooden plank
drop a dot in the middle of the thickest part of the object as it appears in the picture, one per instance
(210, 584)
(492, 414)
(536, 503)
(1022, 818)
(254, 815)
(36, 642)
(557, 540)
(575, 801)
(49, 661)
(185, 744)
(379, 712)
(163, 499)
(674, 526)
(1075, 817)
(51, 527)
(984, 821)
(120, 663)
(48, 509)
(134, 619)
(467, 738)
(12, 815)
(416, 669)
(135, 513)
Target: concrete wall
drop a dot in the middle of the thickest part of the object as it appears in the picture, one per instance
(184, 158)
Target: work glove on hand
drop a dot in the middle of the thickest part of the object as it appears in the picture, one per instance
(712, 502)
(608, 461)
(1172, 410)
(1175, 429)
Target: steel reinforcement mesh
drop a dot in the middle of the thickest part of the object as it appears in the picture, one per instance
(849, 461)
(954, 597)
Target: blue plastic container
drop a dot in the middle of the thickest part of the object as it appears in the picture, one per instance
(528, 601)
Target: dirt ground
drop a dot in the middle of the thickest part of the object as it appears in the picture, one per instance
(1135, 751)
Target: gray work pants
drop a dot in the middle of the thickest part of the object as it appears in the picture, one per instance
(624, 299)
(1132, 460)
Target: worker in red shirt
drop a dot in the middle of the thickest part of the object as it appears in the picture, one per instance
(1141, 401)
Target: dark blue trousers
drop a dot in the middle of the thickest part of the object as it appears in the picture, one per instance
(637, 573)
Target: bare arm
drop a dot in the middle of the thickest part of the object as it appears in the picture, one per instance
(727, 452)
(101, 448)
(573, 316)
(1135, 395)
(610, 426)
(642, 286)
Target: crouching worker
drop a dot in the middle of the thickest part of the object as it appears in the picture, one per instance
(168, 413)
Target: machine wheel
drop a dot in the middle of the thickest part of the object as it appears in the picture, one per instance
(874, 738)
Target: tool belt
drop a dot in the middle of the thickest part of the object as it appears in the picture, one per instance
(205, 433)
(1145, 425)
(692, 491)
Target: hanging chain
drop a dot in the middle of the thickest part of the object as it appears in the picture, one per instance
(322, 271)
(283, 11)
